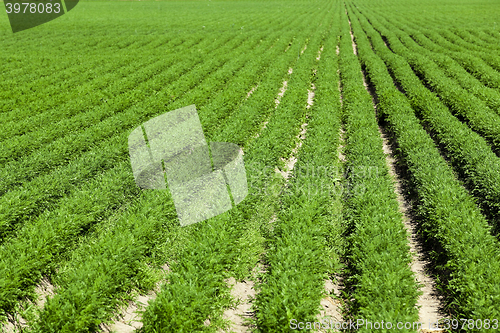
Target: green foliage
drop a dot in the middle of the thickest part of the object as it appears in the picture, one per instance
(251, 217)
(299, 255)
(379, 277)
(468, 151)
(72, 90)
(451, 222)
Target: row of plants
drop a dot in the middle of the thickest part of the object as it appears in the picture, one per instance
(421, 44)
(480, 37)
(39, 266)
(485, 46)
(80, 199)
(42, 92)
(379, 280)
(200, 240)
(466, 106)
(126, 86)
(469, 152)
(99, 76)
(103, 273)
(464, 254)
(457, 40)
(113, 107)
(301, 247)
(65, 147)
(490, 32)
(43, 192)
(43, 81)
(40, 85)
(483, 65)
(454, 35)
(250, 219)
(107, 70)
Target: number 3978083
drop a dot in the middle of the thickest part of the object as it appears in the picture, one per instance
(33, 7)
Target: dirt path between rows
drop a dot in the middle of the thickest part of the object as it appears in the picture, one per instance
(129, 319)
(429, 303)
(244, 291)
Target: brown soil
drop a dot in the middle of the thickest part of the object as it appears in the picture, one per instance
(129, 318)
(43, 290)
(243, 292)
(429, 303)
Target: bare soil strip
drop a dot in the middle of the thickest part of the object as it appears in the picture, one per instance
(277, 101)
(129, 318)
(244, 291)
(251, 91)
(290, 162)
(319, 53)
(44, 290)
(242, 313)
(8, 327)
(17, 323)
(354, 46)
(282, 91)
(332, 306)
(241, 316)
(429, 303)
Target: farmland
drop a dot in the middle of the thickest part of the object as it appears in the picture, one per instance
(371, 140)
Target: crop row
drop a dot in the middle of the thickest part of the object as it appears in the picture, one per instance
(479, 117)
(456, 232)
(77, 99)
(481, 37)
(42, 78)
(380, 280)
(71, 225)
(457, 38)
(469, 152)
(90, 106)
(468, 37)
(43, 160)
(296, 259)
(43, 84)
(483, 65)
(97, 70)
(422, 44)
(207, 284)
(66, 180)
(36, 92)
(24, 204)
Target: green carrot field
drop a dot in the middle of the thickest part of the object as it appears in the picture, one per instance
(371, 140)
